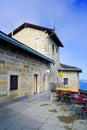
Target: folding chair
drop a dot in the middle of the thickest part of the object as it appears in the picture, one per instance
(83, 114)
(84, 108)
(76, 103)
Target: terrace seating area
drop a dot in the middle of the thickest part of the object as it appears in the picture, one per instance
(75, 101)
(72, 97)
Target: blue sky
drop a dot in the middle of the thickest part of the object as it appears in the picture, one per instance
(70, 19)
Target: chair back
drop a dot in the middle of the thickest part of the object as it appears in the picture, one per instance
(81, 95)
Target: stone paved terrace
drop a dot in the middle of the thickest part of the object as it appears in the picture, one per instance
(39, 113)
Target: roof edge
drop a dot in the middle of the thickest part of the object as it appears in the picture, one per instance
(64, 67)
(24, 47)
(48, 30)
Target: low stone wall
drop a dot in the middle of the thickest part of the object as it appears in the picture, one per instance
(53, 96)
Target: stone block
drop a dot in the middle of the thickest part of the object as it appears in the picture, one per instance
(32, 68)
(23, 74)
(14, 68)
(2, 61)
(0, 67)
(6, 67)
(3, 82)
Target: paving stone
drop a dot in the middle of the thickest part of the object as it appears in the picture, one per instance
(48, 127)
(34, 114)
(52, 121)
(27, 128)
(34, 125)
(14, 127)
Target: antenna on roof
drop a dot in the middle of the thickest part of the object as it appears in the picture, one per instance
(12, 33)
(53, 24)
(52, 21)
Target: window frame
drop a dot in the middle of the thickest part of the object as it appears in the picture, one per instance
(53, 48)
(37, 43)
(65, 81)
(14, 82)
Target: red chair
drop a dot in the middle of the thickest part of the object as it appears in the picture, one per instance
(76, 103)
(81, 95)
(79, 104)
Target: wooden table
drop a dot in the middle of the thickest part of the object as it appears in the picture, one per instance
(63, 96)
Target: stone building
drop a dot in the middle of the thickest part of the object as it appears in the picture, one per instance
(30, 62)
(68, 77)
(23, 71)
(43, 40)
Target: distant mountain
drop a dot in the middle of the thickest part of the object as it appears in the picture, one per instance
(83, 85)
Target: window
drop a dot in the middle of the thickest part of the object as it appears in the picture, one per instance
(56, 49)
(65, 81)
(37, 41)
(13, 82)
(53, 48)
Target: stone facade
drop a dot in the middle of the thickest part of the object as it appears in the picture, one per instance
(40, 41)
(73, 80)
(29, 70)
(68, 77)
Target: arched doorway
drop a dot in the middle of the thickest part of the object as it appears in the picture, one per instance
(45, 82)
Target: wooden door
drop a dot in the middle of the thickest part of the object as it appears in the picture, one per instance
(35, 83)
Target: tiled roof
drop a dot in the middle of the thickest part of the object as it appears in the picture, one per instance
(64, 67)
(16, 43)
(49, 31)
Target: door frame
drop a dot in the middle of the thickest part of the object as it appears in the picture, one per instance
(35, 83)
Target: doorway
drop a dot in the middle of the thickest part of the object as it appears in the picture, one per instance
(44, 82)
(35, 83)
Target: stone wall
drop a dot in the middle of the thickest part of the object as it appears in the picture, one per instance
(14, 61)
(39, 41)
(73, 79)
(34, 38)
